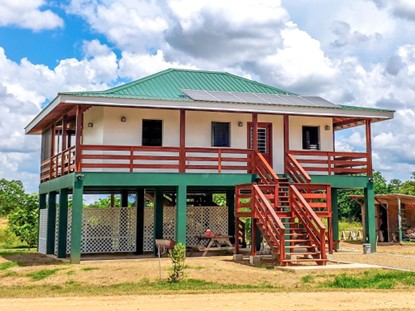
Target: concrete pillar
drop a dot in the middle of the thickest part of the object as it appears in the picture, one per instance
(230, 203)
(50, 236)
(76, 230)
(181, 214)
(139, 241)
(63, 222)
(335, 217)
(158, 215)
(370, 228)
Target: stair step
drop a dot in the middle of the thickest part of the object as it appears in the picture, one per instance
(294, 247)
(304, 260)
(297, 240)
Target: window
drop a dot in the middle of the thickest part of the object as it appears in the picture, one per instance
(221, 136)
(311, 137)
(152, 133)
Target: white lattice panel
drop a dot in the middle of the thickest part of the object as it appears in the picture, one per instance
(106, 230)
(198, 219)
(43, 228)
(109, 230)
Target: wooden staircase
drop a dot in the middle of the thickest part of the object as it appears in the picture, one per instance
(286, 213)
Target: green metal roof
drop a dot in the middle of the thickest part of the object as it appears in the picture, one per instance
(347, 107)
(167, 85)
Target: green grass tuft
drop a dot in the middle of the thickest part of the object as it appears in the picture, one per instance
(89, 269)
(373, 280)
(307, 278)
(42, 274)
(7, 265)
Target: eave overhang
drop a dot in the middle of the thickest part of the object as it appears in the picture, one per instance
(65, 102)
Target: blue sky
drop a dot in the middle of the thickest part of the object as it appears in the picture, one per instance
(359, 52)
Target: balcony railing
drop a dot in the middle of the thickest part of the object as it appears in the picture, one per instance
(58, 165)
(330, 162)
(105, 158)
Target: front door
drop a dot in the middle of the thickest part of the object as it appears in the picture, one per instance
(264, 140)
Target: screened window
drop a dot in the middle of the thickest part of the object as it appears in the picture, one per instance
(311, 137)
(46, 140)
(152, 133)
(221, 136)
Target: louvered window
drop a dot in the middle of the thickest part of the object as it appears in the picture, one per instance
(311, 137)
(152, 133)
(221, 135)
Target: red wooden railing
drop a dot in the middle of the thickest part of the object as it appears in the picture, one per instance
(331, 162)
(295, 171)
(139, 158)
(309, 219)
(318, 197)
(262, 168)
(58, 165)
(251, 201)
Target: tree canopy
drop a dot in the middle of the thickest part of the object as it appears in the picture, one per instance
(12, 196)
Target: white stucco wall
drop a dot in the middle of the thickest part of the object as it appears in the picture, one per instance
(109, 130)
(296, 131)
(93, 135)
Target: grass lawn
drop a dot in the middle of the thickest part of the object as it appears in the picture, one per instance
(27, 274)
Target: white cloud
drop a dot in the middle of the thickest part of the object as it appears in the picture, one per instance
(134, 66)
(28, 14)
(24, 87)
(132, 25)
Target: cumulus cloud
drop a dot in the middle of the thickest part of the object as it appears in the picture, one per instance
(345, 35)
(133, 25)
(404, 9)
(28, 14)
(25, 87)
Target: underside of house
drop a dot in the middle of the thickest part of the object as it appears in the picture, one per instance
(178, 137)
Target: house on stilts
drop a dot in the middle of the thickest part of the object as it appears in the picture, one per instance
(185, 134)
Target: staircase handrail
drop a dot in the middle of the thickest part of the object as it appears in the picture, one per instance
(299, 175)
(264, 169)
(276, 224)
(309, 219)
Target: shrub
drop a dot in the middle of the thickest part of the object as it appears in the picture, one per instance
(177, 256)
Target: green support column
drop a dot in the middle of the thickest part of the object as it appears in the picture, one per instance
(123, 215)
(181, 214)
(230, 203)
(124, 198)
(139, 241)
(63, 222)
(335, 218)
(50, 236)
(76, 232)
(158, 215)
(370, 229)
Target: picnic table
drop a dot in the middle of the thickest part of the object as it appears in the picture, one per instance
(213, 243)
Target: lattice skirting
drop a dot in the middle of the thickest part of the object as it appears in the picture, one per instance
(43, 228)
(111, 230)
(198, 219)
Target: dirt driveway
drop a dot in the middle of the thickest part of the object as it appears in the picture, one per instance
(238, 302)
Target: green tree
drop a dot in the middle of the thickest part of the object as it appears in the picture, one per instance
(379, 183)
(23, 221)
(395, 186)
(12, 196)
(408, 187)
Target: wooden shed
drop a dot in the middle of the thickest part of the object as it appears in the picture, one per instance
(395, 216)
